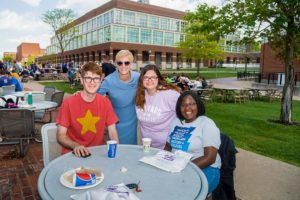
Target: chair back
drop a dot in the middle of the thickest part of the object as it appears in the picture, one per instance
(51, 148)
(8, 89)
(58, 97)
(49, 90)
(17, 127)
(227, 151)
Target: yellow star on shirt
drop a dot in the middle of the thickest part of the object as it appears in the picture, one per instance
(88, 122)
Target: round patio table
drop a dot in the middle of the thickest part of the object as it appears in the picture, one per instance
(40, 105)
(189, 184)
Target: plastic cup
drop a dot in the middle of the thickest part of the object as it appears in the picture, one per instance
(146, 144)
(111, 148)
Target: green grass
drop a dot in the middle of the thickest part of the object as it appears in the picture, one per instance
(209, 73)
(63, 86)
(250, 126)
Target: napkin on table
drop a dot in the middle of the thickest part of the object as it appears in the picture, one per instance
(115, 192)
(171, 162)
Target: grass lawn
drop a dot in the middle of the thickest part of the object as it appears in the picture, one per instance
(248, 124)
(63, 86)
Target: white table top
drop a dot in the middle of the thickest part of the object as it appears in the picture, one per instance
(21, 94)
(40, 105)
(156, 184)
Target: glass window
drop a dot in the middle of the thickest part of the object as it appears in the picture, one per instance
(182, 26)
(89, 39)
(100, 36)
(94, 23)
(164, 23)
(107, 18)
(84, 27)
(177, 37)
(118, 17)
(133, 35)
(107, 34)
(79, 41)
(173, 25)
(89, 25)
(146, 36)
(129, 17)
(76, 43)
(118, 33)
(141, 20)
(169, 39)
(94, 37)
(153, 22)
(83, 41)
(100, 21)
(158, 37)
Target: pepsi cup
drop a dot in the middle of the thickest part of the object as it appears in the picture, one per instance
(82, 179)
(111, 148)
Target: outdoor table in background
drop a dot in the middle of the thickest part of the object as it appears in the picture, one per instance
(40, 105)
(155, 183)
(21, 94)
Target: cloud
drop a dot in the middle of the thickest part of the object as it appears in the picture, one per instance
(33, 3)
(80, 6)
(43, 39)
(12, 21)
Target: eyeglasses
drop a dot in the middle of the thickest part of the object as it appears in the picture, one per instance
(90, 79)
(152, 78)
(187, 105)
(126, 63)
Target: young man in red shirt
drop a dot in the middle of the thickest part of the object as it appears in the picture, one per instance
(82, 117)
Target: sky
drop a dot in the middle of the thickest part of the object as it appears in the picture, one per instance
(20, 20)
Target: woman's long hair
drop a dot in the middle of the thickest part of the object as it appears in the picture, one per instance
(162, 85)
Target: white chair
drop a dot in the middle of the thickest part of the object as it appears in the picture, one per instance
(51, 148)
(8, 89)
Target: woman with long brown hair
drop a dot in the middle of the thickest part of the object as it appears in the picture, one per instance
(155, 105)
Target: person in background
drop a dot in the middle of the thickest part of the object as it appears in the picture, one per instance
(107, 67)
(82, 126)
(204, 83)
(71, 76)
(155, 105)
(16, 82)
(197, 134)
(120, 87)
(16, 67)
(7, 79)
(197, 83)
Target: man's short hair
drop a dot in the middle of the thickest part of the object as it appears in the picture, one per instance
(92, 67)
(105, 57)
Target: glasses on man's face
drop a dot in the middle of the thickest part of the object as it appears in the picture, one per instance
(120, 63)
(185, 105)
(90, 79)
(151, 78)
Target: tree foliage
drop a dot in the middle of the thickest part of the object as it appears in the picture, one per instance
(274, 21)
(60, 21)
(8, 59)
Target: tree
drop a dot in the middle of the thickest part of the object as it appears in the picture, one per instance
(8, 59)
(276, 20)
(61, 21)
(199, 44)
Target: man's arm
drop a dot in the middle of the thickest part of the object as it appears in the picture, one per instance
(113, 133)
(64, 140)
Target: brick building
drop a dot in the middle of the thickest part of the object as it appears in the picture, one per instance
(12, 54)
(272, 69)
(25, 50)
(149, 32)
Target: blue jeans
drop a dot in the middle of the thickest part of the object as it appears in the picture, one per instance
(213, 177)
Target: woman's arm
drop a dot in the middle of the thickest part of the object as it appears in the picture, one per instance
(209, 157)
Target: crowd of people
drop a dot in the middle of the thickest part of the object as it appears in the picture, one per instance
(168, 114)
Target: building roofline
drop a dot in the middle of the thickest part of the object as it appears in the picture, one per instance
(130, 5)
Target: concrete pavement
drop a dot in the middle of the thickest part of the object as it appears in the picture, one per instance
(256, 177)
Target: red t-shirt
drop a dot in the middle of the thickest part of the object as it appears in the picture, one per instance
(86, 121)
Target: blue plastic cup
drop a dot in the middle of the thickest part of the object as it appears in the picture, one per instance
(111, 148)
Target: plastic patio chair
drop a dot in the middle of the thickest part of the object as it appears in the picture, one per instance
(8, 89)
(17, 127)
(49, 90)
(51, 148)
(56, 97)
